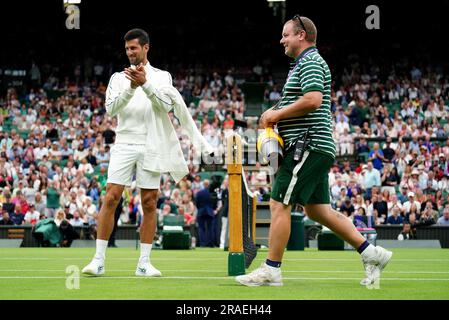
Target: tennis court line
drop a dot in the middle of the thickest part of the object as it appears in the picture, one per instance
(220, 278)
(87, 258)
(224, 271)
(223, 258)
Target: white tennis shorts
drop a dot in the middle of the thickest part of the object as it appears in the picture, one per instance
(126, 162)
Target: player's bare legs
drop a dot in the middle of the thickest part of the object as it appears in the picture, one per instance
(321, 213)
(279, 229)
(278, 238)
(149, 219)
(147, 231)
(374, 258)
(337, 222)
(105, 226)
(107, 211)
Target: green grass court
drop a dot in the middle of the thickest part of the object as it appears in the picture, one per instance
(40, 273)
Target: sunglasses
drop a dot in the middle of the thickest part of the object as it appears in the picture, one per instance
(298, 17)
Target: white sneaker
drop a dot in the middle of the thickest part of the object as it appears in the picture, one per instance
(374, 263)
(147, 270)
(263, 276)
(94, 268)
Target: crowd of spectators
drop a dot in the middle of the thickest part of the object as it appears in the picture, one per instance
(396, 132)
(55, 142)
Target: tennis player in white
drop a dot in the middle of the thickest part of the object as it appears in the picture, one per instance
(130, 96)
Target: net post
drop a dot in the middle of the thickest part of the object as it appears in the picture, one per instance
(236, 257)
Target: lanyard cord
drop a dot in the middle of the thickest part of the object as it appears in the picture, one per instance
(297, 63)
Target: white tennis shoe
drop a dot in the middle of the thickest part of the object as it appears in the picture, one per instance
(263, 276)
(374, 261)
(147, 270)
(94, 268)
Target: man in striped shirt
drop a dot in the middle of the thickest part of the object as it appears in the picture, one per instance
(304, 112)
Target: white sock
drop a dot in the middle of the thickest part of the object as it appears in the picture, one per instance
(100, 254)
(369, 251)
(145, 250)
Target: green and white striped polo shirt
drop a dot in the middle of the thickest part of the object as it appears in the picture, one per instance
(309, 72)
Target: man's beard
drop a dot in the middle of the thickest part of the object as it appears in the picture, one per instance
(135, 61)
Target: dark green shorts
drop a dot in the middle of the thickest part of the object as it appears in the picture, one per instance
(303, 183)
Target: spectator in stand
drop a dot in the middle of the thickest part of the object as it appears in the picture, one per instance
(8, 205)
(359, 203)
(377, 157)
(362, 146)
(102, 158)
(342, 124)
(395, 217)
(388, 151)
(336, 189)
(431, 206)
(66, 151)
(20, 199)
(6, 221)
(55, 153)
(413, 217)
(85, 167)
(380, 208)
(394, 202)
(80, 153)
(431, 182)
(429, 190)
(444, 219)
(427, 216)
(347, 208)
(346, 143)
(17, 216)
(413, 180)
(353, 188)
(70, 169)
(176, 197)
(371, 179)
(73, 202)
(197, 184)
(354, 114)
(275, 95)
(77, 220)
(390, 179)
(102, 178)
(361, 220)
(39, 203)
(91, 211)
(411, 203)
(40, 151)
(407, 232)
(59, 217)
(53, 196)
(91, 158)
(188, 208)
(32, 216)
(166, 190)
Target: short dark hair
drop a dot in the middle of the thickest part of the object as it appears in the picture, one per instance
(310, 29)
(140, 34)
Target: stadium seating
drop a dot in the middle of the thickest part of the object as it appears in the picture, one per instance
(173, 234)
(327, 240)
